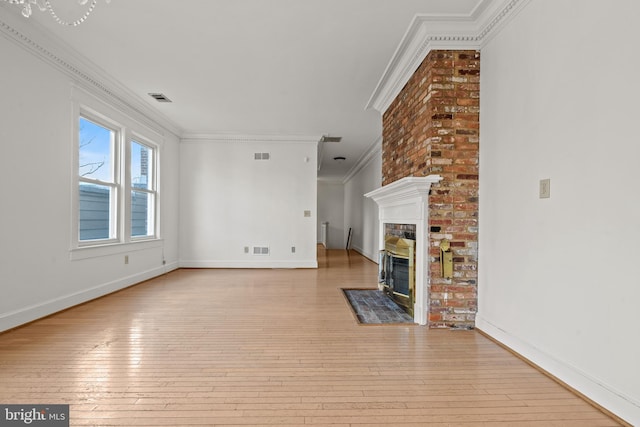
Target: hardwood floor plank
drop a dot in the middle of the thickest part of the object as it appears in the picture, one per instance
(225, 347)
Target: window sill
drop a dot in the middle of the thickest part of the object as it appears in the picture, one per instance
(97, 251)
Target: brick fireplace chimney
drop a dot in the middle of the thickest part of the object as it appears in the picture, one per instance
(432, 127)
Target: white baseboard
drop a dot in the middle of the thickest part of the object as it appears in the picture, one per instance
(372, 257)
(600, 393)
(249, 264)
(28, 314)
(171, 266)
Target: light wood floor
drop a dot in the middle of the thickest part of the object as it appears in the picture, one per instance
(270, 347)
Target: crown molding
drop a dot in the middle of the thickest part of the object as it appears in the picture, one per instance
(431, 32)
(240, 138)
(35, 39)
(374, 149)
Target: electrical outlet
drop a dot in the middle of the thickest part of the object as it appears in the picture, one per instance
(545, 188)
(293, 249)
(307, 214)
(126, 259)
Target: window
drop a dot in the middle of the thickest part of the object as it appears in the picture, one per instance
(98, 181)
(116, 199)
(143, 194)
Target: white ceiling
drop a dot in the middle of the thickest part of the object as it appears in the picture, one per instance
(254, 67)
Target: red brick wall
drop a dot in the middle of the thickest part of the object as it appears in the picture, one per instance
(432, 127)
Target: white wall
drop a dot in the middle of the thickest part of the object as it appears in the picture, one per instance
(229, 201)
(361, 213)
(37, 275)
(331, 209)
(557, 280)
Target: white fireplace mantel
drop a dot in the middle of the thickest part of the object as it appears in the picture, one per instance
(406, 201)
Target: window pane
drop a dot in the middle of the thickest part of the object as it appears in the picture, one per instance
(96, 151)
(141, 166)
(95, 211)
(142, 214)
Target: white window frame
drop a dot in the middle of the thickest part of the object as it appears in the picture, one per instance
(153, 190)
(115, 185)
(127, 130)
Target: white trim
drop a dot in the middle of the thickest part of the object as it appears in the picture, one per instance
(115, 184)
(370, 257)
(104, 110)
(28, 314)
(153, 216)
(406, 201)
(403, 191)
(270, 264)
(365, 159)
(87, 105)
(96, 251)
(191, 138)
(608, 397)
(49, 48)
(430, 32)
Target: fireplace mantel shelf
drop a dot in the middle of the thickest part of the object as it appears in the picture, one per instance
(404, 189)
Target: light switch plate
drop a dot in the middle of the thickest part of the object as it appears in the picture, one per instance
(545, 188)
(307, 214)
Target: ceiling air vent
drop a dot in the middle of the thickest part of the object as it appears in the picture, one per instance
(160, 97)
(326, 138)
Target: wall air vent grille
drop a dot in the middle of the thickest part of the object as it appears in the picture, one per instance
(261, 250)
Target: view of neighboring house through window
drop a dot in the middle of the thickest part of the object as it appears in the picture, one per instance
(143, 193)
(117, 184)
(98, 182)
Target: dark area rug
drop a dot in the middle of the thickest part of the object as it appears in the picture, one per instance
(372, 306)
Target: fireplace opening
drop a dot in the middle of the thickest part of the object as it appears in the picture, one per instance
(397, 265)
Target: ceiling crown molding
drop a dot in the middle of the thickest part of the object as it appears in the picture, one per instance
(431, 32)
(239, 138)
(374, 150)
(36, 40)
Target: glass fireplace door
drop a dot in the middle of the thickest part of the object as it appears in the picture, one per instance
(397, 275)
